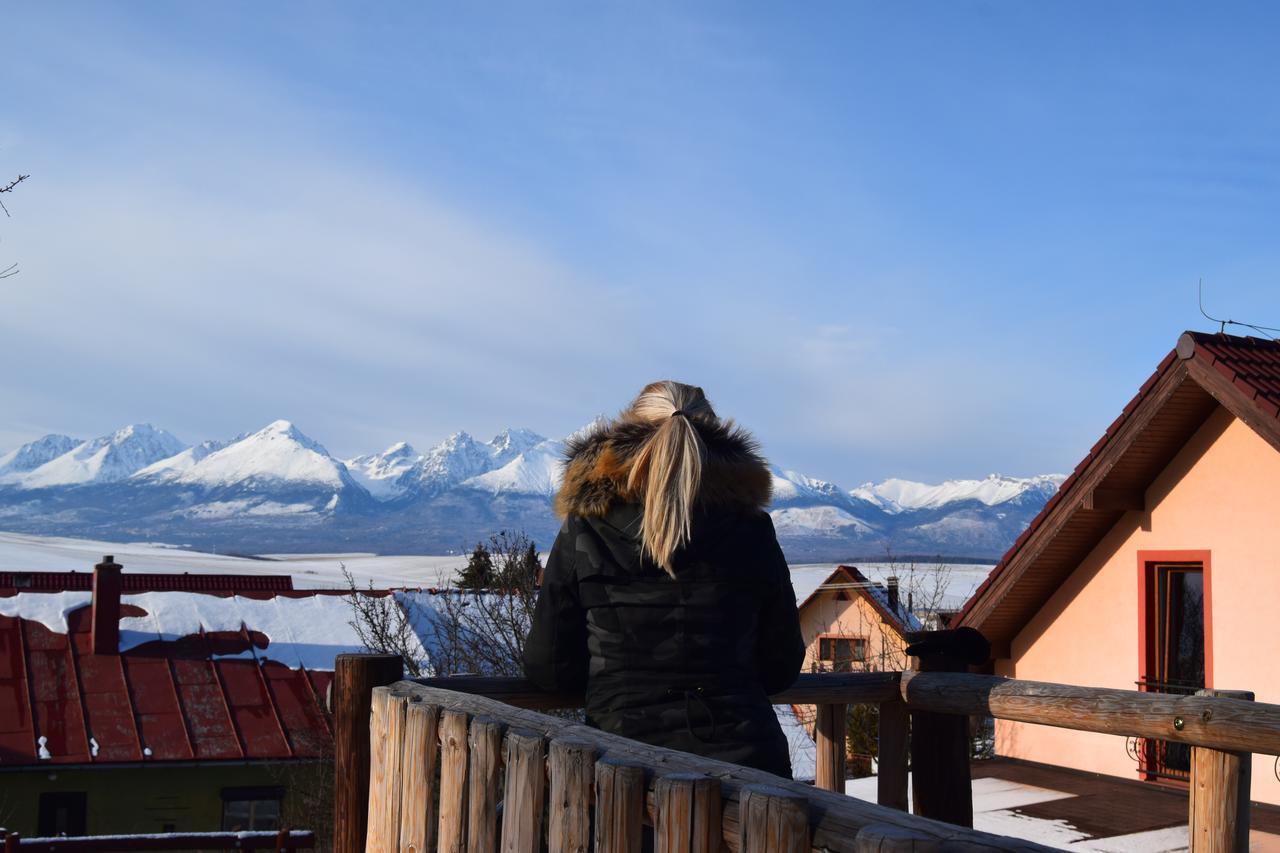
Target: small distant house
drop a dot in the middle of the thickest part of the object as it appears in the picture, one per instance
(1156, 566)
(851, 624)
(157, 703)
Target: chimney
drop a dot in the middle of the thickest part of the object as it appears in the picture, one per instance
(106, 607)
(892, 582)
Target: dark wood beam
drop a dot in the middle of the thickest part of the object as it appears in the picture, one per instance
(1111, 500)
(1233, 399)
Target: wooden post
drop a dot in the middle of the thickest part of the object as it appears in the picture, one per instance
(572, 778)
(524, 793)
(891, 776)
(941, 784)
(689, 813)
(354, 678)
(829, 733)
(772, 820)
(620, 807)
(13, 842)
(282, 840)
(386, 747)
(451, 837)
(1218, 811)
(483, 785)
(418, 764)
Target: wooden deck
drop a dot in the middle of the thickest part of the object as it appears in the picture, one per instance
(1104, 806)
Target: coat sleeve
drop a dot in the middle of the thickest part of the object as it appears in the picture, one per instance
(555, 652)
(779, 644)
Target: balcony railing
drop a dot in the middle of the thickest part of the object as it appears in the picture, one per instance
(470, 763)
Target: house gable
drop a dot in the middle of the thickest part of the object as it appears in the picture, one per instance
(1203, 374)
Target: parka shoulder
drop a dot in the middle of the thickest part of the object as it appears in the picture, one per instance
(598, 466)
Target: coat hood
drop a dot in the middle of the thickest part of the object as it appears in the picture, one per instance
(734, 474)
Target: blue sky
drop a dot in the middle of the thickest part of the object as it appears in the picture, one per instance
(925, 240)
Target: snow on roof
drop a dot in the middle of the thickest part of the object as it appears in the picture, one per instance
(302, 631)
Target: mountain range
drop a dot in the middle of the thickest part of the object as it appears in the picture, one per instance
(277, 490)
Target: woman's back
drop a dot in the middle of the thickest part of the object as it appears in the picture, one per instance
(682, 655)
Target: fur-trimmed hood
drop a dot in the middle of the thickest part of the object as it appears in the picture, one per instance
(734, 474)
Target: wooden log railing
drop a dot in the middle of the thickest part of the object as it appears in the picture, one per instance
(1223, 728)
(279, 841)
(692, 804)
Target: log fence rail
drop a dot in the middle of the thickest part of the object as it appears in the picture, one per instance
(510, 778)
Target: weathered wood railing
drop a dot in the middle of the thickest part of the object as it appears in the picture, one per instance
(278, 841)
(464, 735)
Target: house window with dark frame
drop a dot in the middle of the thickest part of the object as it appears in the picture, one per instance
(251, 809)
(839, 654)
(1175, 653)
(62, 813)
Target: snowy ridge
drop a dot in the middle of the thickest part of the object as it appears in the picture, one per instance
(895, 495)
(33, 454)
(537, 471)
(107, 459)
(177, 464)
(380, 473)
(278, 490)
(278, 451)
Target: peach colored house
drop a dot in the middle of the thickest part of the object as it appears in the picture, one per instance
(1157, 564)
(853, 625)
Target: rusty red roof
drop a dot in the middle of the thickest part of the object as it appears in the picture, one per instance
(147, 582)
(1241, 374)
(161, 701)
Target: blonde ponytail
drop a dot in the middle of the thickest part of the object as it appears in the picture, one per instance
(668, 468)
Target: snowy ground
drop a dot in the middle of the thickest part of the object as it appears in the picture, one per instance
(22, 552)
(996, 804)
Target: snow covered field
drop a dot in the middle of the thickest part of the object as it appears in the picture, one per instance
(22, 552)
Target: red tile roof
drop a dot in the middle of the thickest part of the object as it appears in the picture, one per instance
(1241, 374)
(162, 701)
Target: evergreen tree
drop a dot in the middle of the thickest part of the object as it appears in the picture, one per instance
(479, 572)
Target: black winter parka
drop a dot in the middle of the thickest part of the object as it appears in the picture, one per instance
(685, 662)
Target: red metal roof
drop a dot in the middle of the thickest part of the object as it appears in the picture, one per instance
(1240, 373)
(173, 699)
(147, 582)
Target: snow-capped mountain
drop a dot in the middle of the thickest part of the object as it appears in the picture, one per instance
(180, 463)
(33, 454)
(277, 453)
(106, 459)
(380, 473)
(896, 496)
(277, 490)
(536, 470)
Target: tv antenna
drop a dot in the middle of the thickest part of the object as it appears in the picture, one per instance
(1222, 324)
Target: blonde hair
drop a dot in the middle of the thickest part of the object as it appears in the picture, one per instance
(667, 471)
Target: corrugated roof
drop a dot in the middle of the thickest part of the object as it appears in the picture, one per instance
(1203, 372)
